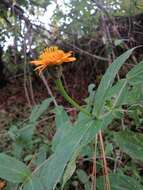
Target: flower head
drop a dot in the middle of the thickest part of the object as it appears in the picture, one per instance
(52, 56)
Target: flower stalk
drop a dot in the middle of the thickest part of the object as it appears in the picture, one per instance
(63, 92)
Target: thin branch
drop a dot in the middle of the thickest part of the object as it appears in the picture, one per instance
(89, 54)
(48, 88)
(105, 167)
(93, 186)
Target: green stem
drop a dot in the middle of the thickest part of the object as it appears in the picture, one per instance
(60, 87)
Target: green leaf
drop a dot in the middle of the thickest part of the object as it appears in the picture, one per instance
(131, 143)
(119, 42)
(87, 186)
(26, 132)
(70, 169)
(38, 110)
(91, 90)
(82, 176)
(120, 182)
(113, 92)
(135, 112)
(107, 81)
(135, 95)
(128, 95)
(40, 157)
(117, 94)
(122, 93)
(34, 184)
(56, 164)
(135, 76)
(84, 179)
(78, 136)
(61, 117)
(62, 124)
(13, 170)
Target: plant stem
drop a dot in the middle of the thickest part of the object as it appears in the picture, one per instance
(105, 167)
(93, 186)
(63, 92)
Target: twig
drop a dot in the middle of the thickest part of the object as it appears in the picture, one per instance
(25, 74)
(48, 88)
(89, 54)
(30, 42)
(25, 83)
(93, 185)
(105, 167)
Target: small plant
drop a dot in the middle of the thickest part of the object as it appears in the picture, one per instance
(111, 100)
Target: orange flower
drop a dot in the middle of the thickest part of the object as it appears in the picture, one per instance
(52, 56)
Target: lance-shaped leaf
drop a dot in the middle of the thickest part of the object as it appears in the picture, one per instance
(13, 170)
(107, 81)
